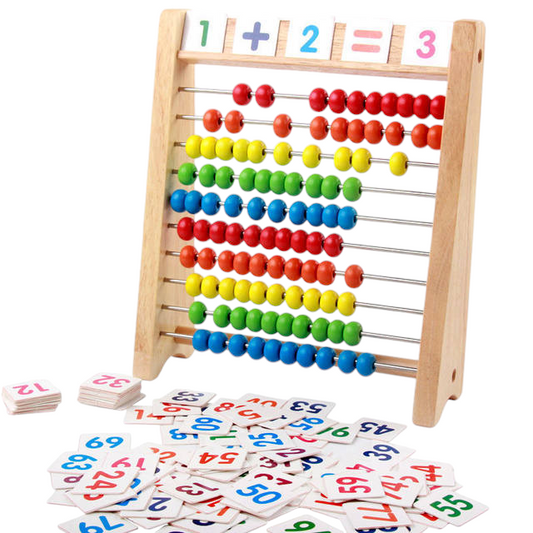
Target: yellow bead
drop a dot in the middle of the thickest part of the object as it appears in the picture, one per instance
(224, 148)
(343, 158)
(398, 163)
(192, 146)
(311, 156)
(193, 285)
(258, 292)
(361, 160)
(282, 153)
(242, 290)
(294, 297)
(328, 302)
(226, 289)
(276, 294)
(346, 303)
(210, 286)
(256, 151)
(312, 299)
(208, 147)
(240, 150)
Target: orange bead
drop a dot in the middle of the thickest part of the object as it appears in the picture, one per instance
(293, 269)
(325, 273)
(434, 137)
(419, 135)
(282, 125)
(241, 263)
(374, 132)
(225, 260)
(188, 256)
(356, 131)
(212, 120)
(234, 121)
(339, 129)
(275, 266)
(353, 276)
(319, 128)
(394, 133)
(309, 269)
(258, 265)
(207, 258)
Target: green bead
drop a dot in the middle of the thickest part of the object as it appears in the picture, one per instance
(207, 175)
(284, 324)
(313, 185)
(331, 187)
(246, 179)
(262, 181)
(197, 312)
(186, 174)
(237, 318)
(293, 184)
(352, 189)
(268, 322)
(352, 333)
(224, 177)
(253, 320)
(221, 316)
(301, 326)
(319, 329)
(277, 182)
(335, 331)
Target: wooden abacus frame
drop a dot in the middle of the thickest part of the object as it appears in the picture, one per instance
(439, 369)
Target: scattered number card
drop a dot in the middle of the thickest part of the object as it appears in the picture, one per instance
(97, 523)
(187, 397)
(399, 490)
(76, 462)
(265, 401)
(106, 481)
(366, 515)
(217, 458)
(64, 481)
(311, 38)
(310, 425)
(436, 473)
(233, 438)
(380, 455)
(174, 436)
(204, 425)
(394, 529)
(258, 497)
(255, 36)
(160, 506)
(259, 440)
(320, 502)
(350, 486)
(305, 523)
(250, 415)
(171, 409)
(427, 44)
(283, 421)
(104, 441)
(204, 32)
(371, 428)
(142, 414)
(291, 454)
(308, 407)
(367, 40)
(341, 433)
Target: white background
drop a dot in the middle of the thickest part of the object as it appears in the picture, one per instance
(75, 105)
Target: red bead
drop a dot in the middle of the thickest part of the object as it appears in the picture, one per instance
(419, 135)
(356, 102)
(242, 94)
(394, 133)
(339, 129)
(275, 266)
(186, 228)
(217, 231)
(373, 103)
(319, 128)
(258, 265)
(234, 234)
(282, 125)
(325, 273)
(314, 242)
(318, 99)
(283, 239)
(309, 269)
(436, 107)
(212, 120)
(225, 260)
(333, 245)
(353, 276)
(356, 131)
(188, 256)
(264, 96)
(388, 104)
(252, 235)
(337, 101)
(299, 241)
(374, 132)
(268, 237)
(434, 137)
(234, 121)
(293, 268)
(404, 105)
(201, 230)
(421, 106)
(241, 263)
(207, 258)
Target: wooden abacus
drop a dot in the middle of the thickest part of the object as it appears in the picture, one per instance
(163, 327)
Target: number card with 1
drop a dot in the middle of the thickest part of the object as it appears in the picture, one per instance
(216, 510)
(204, 425)
(308, 406)
(366, 515)
(142, 414)
(256, 36)
(204, 32)
(367, 40)
(310, 38)
(97, 523)
(106, 481)
(191, 489)
(301, 524)
(104, 441)
(217, 458)
(160, 408)
(427, 44)
(399, 490)
(260, 440)
(371, 428)
(436, 473)
(349, 486)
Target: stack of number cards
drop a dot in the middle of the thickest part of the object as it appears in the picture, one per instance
(31, 397)
(111, 390)
(234, 465)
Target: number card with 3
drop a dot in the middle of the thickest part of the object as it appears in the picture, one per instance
(307, 406)
(371, 428)
(367, 40)
(104, 441)
(187, 397)
(76, 462)
(427, 44)
(98, 523)
(380, 455)
(366, 515)
(204, 32)
(310, 38)
(301, 524)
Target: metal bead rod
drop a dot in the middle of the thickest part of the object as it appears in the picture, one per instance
(396, 221)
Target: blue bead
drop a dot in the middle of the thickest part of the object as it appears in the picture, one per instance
(346, 362)
(177, 200)
(256, 208)
(314, 214)
(218, 342)
(298, 213)
(211, 203)
(193, 202)
(287, 354)
(277, 211)
(233, 205)
(306, 355)
(365, 364)
(200, 340)
(272, 349)
(347, 217)
(256, 347)
(237, 345)
(324, 357)
(330, 216)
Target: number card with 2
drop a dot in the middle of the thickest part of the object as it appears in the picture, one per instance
(204, 32)
(427, 44)
(104, 441)
(310, 38)
(160, 506)
(367, 40)
(301, 524)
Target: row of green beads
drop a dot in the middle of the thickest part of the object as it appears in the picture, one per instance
(278, 182)
(286, 324)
